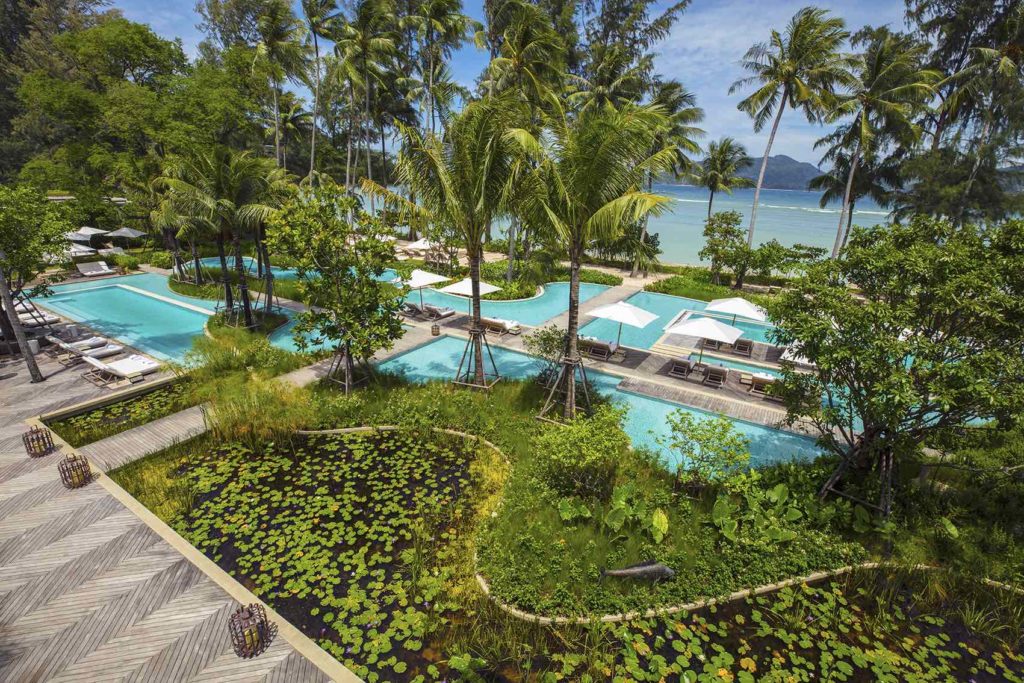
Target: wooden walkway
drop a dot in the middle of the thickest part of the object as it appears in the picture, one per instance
(91, 592)
(133, 444)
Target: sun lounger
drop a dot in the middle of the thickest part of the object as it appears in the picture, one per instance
(95, 268)
(743, 347)
(73, 355)
(438, 312)
(761, 386)
(133, 369)
(411, 310)
(715, 376)
(680, 368)
(596, 348)
(710, 344)
(37, 319)
(501, 326)
(59, 346)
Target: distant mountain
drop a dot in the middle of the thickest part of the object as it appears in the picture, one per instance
(783, 172)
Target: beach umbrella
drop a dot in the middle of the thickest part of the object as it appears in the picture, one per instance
(80, 250)
(127, 233)
(624, 314)
(464, 287)
(706, 328)
(419, 279)
(737, 306)
(76, 236)
(86, 230)
(422, 244)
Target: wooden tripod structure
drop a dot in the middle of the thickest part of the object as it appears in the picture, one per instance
(476, 347)
(558, 387)
(342, 370)
(885, 466)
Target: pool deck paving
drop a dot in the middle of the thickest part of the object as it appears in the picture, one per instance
(94, 588)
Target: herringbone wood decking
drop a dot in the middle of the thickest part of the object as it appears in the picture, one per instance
(88, 592)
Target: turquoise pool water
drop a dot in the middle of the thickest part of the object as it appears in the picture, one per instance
(127, 308)
(553, 302)
(213, 263)
(666, 307)
(645, 418)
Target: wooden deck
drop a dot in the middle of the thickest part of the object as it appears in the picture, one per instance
(123, 448)
(89, 591)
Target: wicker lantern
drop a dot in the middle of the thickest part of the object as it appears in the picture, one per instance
(74, 471)
(38, 442)
(250, 630)
(435, 330)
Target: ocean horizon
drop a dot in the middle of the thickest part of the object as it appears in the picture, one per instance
(790, 216)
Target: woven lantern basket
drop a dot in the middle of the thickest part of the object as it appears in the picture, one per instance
(74, 471)
(250, 630)
(38, 442)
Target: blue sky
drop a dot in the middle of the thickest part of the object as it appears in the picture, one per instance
(703, 51)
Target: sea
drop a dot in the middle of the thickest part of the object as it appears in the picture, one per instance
(790, 216)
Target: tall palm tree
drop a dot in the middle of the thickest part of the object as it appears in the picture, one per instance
(719, 171)
(799, 68)
(875, 178)
(281, 37)
(530, 56)
(229, 193)
(461, 181)
(589, 175)
(885, 90)
(321, 16)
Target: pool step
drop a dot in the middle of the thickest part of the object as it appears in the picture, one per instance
(670, 350)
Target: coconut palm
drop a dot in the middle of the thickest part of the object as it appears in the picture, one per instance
(885, 91)
(719, 171)
(875, 178)
(589, 173)
(321, 17)
(461, 182)
(799, 68)
(281, 37)
(227, 193)
(530, 56)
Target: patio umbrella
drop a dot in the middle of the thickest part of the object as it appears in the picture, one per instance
(76, 236)
(420, 279)
(127, 233)
(80, 250)
(86, 230)
(464, 287)
(736, 306)
(422, 244)
(624, 314)
(706, 328)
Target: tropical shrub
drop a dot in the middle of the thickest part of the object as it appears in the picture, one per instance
(710, 449)
(581, 457)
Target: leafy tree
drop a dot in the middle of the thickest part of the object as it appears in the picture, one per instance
(581, 457)
(799, 68)
(31, 231)
(877, 178)
(725, 246)
(719, 171)
(883, 92)
(710, 449)
(931, 342)
(585, 186)
(340, 262)
(230, 23)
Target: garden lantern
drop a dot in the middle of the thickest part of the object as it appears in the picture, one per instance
(250, 631)
(435, 330)
(74, 471)
(38, 442)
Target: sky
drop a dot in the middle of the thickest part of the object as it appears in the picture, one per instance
(703, 51)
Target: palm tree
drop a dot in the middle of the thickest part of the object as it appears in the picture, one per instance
(321, 16)
(800, 68)
(587, 184)
(530, 57)
(228, 193)
(719, 171)
(461, 181)
(281, 36)
(875, 179)
(885, 90)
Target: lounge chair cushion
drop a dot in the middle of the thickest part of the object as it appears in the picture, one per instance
(94, 268)
(715, 376)
(438, 312)
(507, 326)
(37, 319)
(743, 347)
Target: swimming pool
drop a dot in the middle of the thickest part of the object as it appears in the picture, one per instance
(139, 310)
(666, 307)
(645, 420)
(553, 302)
(213, 263)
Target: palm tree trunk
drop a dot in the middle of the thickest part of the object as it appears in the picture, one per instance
(277, 125)
(979, 149)
(846, 201)
(571, 342)
(19, 333)
(268, 279)
(229, 300)
(643, 231)
(430, 87)
(383, 158)
(197, 263)
(351, 127)
(511, 235)
(243, 280)
(711, 200)
(849, 225)
(369, 128)
(478, 351)
(316, 106)
(764, 167)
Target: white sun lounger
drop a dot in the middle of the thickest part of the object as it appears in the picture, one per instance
(501, 326)
(75, 354)
(37, 319)
(59, 345)
(95, 268)
(133, 368)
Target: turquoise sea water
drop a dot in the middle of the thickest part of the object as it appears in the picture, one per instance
(666, 307)
(553, 302)
(790, 216)
(645, 418)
